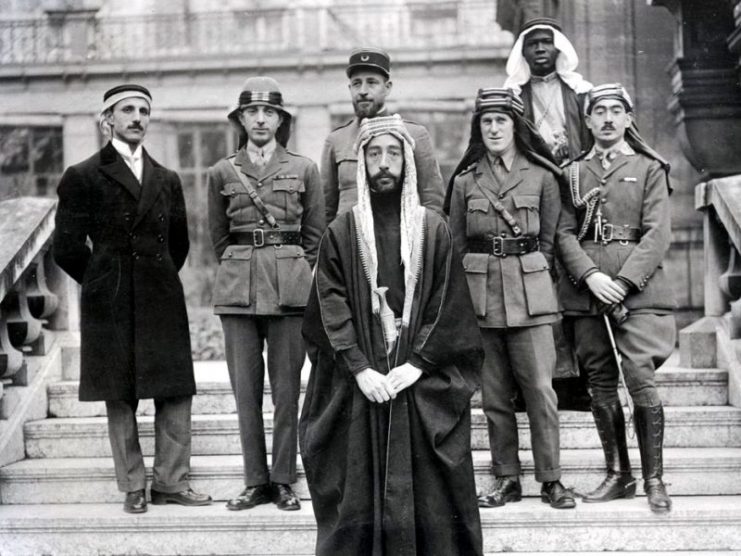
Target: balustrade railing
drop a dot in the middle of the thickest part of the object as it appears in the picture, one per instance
(86, 37)
(27, 304)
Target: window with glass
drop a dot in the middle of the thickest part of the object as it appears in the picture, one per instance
(31, 160)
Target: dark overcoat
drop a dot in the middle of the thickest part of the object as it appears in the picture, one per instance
(340, 164)
(124, 243)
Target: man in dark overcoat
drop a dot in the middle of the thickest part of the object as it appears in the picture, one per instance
(121, 233)
(386, 426)
(369, 72)
(613, 234)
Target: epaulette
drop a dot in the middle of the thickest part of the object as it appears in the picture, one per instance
(580, 156)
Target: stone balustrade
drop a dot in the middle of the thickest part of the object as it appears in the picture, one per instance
(29, 306)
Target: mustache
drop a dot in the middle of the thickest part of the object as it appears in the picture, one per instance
(607, 127)
(136, 126)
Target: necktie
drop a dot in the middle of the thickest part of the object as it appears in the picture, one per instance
(500, 171)
(260, 159)
(606, 158)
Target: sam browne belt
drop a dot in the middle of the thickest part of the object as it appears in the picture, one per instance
(609, 232)
(503, 246)
(259, 237)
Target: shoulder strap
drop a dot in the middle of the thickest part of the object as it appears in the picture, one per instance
(503, 212)
(254, 196)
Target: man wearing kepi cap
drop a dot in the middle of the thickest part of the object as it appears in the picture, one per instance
(504, 210)
(266, 215)
(121, 232)
(369, 72)
(613, 235)
(541, 67)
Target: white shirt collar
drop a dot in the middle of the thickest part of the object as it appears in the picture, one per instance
(125, 150)
(620, 148)
(267, 149)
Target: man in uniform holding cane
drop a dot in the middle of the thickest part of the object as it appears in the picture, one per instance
(613, 235)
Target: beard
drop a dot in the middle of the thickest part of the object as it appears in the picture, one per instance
(366, 108)
(384, 182)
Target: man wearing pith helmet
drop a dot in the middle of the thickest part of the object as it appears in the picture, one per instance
(613, 235)
(121, 232)
(266, 215)
(369, 74)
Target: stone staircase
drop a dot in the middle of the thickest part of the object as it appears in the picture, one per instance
(62, 498)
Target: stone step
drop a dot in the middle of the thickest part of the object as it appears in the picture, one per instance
(704, 523)
(693, 426)
(687, 471)
(677, 387)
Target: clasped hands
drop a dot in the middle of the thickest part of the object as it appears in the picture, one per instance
(604, 288)
(381, 388)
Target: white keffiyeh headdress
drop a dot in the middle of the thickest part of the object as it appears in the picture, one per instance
(412, 213)
(518, 72)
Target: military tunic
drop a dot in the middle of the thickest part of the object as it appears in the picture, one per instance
(340, 164)
(261, 292)
(514, 298)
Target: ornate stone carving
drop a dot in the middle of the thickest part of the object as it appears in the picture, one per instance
(11, 359)
(41, 301)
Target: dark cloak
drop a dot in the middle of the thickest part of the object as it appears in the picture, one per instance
(394, 478)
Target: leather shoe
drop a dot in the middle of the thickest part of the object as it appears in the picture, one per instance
(251, 497)
(554, 493)
(285, 498)
(135, 502)
(506, 489)
(185, 498)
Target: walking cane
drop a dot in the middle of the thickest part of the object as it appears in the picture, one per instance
(619, 362)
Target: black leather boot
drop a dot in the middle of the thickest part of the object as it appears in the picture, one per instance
(650, 432)
(619, 482)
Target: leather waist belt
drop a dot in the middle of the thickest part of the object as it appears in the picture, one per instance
(609, 233)
(503, 246)
(260, 238)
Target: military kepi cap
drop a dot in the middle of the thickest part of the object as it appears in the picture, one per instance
(120, 92)
(612, 91)
(369, 58)
(494, 99)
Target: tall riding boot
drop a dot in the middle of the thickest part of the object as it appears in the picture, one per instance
(619, 482)
(650, 431)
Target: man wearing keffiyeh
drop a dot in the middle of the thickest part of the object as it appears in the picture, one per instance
(395, 353)
(541, 68)
(613, 234)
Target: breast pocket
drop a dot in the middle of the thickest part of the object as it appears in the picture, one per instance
(294, 276)
(288, 192)
(538, 285)
(232, 287)
(527, 213)
(478, 221)
(476, 266)
(237, 196)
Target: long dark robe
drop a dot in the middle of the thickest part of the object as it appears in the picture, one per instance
(393, 478)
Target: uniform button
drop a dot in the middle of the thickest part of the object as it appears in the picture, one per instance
(259, 184)
(161, 239)
(490, 236)
(604, 199)
(230, 255)
(261, 222)
(159, 256)
(134, 236)
(503, 234)
(603, 182)
(501, 195)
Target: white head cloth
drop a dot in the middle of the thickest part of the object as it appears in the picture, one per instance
(412, 212)
(518, 72)
(118, 97)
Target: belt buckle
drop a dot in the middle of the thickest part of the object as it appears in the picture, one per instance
(497, 246)
(258, 237)
(606, 238)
